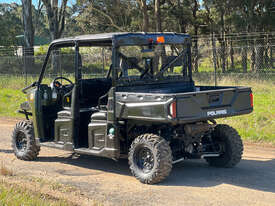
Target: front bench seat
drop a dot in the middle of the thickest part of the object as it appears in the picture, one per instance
(64, 121)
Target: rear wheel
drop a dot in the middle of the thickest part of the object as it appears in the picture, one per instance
(230, 143)
(150, 158)
(23, 141)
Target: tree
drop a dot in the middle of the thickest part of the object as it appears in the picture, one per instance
(27, 24)
(211, 22)
(157, 16)
(144, 8)
(40, 20)
(10, 24)
(182, 15)
(96, 16)
(28, 33)
(195, 9)
(254, 16)
(56, 17)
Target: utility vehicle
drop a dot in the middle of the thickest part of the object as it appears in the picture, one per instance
(147, 108)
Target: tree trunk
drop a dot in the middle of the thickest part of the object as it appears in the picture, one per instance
(227, 67)
(271, 57)
(158, 28)
(56, 18)
(244, 59)
(222, 44)
(271, 52)
(28, 34)
(217, 58)
(253, 58)
(157, 16)
(223, 56)
(266, 57)
(145, 21)
(232, 55)
(181, 18)
(244, 54)
(196, 55)
(214, 56)
(259, 56)
(196, 28)
(266, 52)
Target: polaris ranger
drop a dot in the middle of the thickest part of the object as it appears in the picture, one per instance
(147, 108)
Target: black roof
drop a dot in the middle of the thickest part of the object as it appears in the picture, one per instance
(120, 38)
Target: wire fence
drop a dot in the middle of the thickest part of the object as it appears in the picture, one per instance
(213, 56)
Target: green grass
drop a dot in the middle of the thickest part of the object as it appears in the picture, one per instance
(10, 100)
(258, 126)
(14, 196)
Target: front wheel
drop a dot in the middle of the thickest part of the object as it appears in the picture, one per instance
(150, 158)
(230, 142)
(23, 141)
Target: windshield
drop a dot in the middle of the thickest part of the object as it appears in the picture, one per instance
(152, 61)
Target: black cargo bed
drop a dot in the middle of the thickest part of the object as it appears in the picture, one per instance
(197, 104)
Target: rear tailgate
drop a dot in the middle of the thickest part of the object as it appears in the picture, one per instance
(211, 104)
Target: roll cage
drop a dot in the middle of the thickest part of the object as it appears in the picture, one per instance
(116, 40)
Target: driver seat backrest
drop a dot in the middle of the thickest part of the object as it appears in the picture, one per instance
(92, 90)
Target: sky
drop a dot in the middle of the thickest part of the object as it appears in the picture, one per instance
(10, 1)
(34, 2)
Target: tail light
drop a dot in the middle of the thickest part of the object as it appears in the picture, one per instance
(173, 109)
(251, 99)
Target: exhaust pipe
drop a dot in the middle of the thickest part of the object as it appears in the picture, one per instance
(179, 160)
(210, 155)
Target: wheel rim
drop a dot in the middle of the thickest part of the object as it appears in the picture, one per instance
(144, 159)
(21, 141)
(219, 147)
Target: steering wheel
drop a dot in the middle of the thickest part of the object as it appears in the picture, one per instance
(57, 85)
(62, 90)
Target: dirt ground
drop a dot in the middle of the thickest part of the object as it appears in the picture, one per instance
(87, 180)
